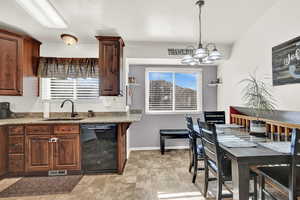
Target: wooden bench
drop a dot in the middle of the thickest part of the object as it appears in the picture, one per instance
(171, 134)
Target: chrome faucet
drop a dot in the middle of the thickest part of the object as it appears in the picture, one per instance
(73, 114)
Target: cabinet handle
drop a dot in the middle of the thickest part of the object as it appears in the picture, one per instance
(52, 140)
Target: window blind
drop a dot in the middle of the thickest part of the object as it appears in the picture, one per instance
(73, 88)
(160, 95)
(173, 91)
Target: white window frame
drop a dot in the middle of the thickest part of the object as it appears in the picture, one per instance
(174, 70)
(46, 96)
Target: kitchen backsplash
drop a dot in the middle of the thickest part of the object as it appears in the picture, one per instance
(30, 102)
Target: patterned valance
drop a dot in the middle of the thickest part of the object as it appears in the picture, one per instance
(50, 67)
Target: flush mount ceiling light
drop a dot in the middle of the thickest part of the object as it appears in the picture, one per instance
(44, 12)
(69, 39)
(207, 54)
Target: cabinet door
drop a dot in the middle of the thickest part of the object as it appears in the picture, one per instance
(109, 68)
(31, 52)
(3, 151)
(11, 74)
(67, 153)
(38, 153)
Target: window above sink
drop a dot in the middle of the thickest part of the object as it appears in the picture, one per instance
(70, 88)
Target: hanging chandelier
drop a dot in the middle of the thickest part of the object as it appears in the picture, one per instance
(207, 54)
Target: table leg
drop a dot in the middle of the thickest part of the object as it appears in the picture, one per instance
(162, 145)
(240, 180)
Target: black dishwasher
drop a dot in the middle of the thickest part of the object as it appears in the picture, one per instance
(99, 148)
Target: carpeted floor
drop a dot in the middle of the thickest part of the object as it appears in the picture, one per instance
(148, 176)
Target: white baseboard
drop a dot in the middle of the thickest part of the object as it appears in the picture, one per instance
(156, 148)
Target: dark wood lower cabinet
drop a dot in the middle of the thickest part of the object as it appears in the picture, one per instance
(67, 153)
(38, 154)
(44, 155)
(16, 144)
(16, 163)
(3, 151)
(37, 149)
(122, 146)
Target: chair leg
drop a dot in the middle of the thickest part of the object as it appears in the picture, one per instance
(262, 187)
(191, 165)
(255, 188)
(206, 178)
(219, 189)
(195, 167)
(191, 160)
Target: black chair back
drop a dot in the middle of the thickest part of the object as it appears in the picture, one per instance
(189, 123)
(295, 151)
(212, 150)
(214, 117)
(210, 143)
(190, 127)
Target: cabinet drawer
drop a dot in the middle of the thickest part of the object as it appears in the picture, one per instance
(16, 163)
(66, 129)
(16, 144)
(16, 130)
(38, 130)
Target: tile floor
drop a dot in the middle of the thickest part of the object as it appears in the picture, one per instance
(148, 176)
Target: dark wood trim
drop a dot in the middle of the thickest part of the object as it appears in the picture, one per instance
(232, 110)
(11, 33)
(122, 146)
(111, 38)
(3, 152)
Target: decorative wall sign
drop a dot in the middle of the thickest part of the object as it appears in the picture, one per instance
(176, 52)
(286, 62)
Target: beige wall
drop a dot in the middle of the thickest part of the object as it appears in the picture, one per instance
(254, 51)
(29, 102)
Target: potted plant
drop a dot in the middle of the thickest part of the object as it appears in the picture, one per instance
(259, 100)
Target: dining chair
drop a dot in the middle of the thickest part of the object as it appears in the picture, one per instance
(195, 149)
(286, 177)
(214, 117)
(216, 162)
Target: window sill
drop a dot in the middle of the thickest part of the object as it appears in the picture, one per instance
(174, 113)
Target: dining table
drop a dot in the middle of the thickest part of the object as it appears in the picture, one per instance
(244, 151)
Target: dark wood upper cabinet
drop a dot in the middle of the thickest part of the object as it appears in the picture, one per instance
(18, 56)
(31, 56)
(110, 63)
(11, 71)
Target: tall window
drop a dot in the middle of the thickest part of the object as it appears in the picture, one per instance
(77, 88)
(173, 90)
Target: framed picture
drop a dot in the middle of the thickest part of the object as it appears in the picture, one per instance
(286, 62)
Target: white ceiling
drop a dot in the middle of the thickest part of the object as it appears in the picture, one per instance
(224, 21)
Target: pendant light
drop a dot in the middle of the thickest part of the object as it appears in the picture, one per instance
(207, 54)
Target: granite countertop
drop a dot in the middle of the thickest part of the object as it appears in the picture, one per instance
(98, 119)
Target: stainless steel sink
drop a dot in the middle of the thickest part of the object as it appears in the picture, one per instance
(63, 119)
